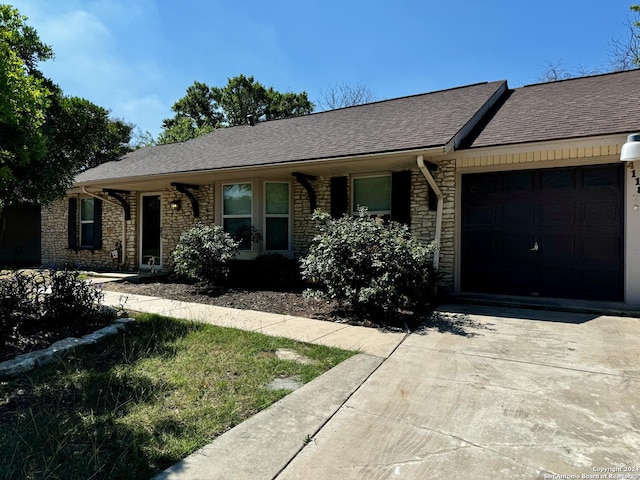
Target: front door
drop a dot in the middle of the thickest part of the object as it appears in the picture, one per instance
(150, 251)
(554, 232)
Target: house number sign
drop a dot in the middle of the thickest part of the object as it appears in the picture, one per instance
(633, 175)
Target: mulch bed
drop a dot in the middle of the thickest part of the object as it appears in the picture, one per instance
(28, 336)
(285, 303)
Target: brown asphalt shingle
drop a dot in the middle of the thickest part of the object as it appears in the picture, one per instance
(582, 107)
(420, 121)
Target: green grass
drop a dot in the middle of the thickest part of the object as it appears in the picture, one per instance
(138, 402)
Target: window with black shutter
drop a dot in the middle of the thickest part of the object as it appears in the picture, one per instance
(85, 223)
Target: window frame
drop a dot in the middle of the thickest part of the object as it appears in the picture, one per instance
(250, 216)
(82, 222)
(380, 213)
(259, 216)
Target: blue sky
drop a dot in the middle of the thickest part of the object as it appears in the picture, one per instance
(137, 57)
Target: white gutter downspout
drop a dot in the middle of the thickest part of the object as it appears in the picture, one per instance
(124, 222)
(440, 205)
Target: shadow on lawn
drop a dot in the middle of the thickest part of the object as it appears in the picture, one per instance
(63, 421)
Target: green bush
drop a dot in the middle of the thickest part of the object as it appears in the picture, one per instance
(53, 296)
(21, 295)
(202, 254)
(373, 267)
(70, 299)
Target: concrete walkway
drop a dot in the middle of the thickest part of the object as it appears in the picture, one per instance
(484, 393)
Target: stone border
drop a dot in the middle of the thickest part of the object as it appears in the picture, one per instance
(28, 361)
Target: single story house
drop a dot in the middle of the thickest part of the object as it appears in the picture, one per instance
(522, 189)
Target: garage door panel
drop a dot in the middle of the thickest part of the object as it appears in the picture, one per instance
(598, 213)
(605, 248)
(516, 212)
(554, 246)
(480, 215)
(557, 212)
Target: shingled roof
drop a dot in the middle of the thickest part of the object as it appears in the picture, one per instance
(409, 123)
(581, 107)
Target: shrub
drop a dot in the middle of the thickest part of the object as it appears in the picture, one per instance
(54, 296)
(21, 295)
(371, 266)
(70, 299)
(202, 254)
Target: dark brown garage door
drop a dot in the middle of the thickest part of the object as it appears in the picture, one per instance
(554, 232)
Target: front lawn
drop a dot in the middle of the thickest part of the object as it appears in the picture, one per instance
(142, 400)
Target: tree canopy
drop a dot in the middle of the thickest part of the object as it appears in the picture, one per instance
(45, 137)
(205, 108)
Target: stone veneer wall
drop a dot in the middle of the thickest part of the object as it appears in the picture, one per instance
(304, 228)
(445, 177)
(54, 229)
(178, 221)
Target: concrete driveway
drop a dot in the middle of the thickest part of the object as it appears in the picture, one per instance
(491, 393)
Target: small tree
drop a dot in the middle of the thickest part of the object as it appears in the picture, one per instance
(202, 254)
(372, 266)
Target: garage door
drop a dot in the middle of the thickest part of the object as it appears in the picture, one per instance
(552, 232)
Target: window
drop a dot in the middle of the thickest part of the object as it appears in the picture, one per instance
(237, 212)
(86, 222)
(373, 193)
(277, 211)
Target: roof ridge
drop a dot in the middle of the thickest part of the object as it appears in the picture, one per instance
(584, 77)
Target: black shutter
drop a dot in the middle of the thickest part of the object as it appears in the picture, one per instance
(401, 197)
(339, 200)
(72, 232)
(97, 223)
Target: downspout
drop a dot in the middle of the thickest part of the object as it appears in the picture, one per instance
(440, 205)
(124, 222)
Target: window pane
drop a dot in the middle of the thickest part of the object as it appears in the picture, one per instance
(86, 234)
(277, 234)
(236, 199)
(277, 195)
(240, 229)
(373, 193)
(86, 209)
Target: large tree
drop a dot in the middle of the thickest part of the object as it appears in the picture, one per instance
(45, 136)
(23, 105)
(205, 108)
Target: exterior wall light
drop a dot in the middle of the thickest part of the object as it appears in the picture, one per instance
(175, 205)
(631, 150)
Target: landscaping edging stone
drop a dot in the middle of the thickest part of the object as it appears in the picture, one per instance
(28, 361)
